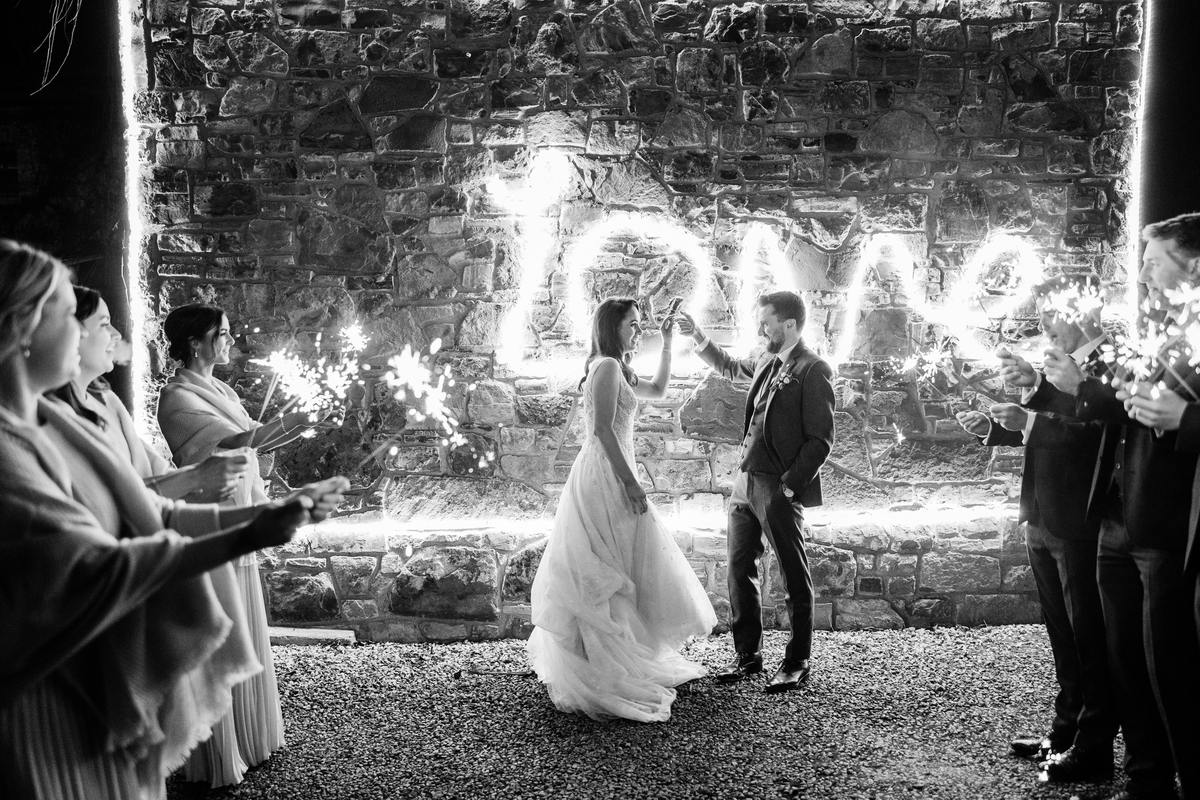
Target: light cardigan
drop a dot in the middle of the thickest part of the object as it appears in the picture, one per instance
(196, 414)
(175, 671)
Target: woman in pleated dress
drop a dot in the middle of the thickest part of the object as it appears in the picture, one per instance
(614, 599)
(199, 416)
(110, 645)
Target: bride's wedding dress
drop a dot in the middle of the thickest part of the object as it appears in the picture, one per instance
(614, 599)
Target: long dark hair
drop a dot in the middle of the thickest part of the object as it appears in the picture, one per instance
(193, 321)
(87, 303)
(605, 339)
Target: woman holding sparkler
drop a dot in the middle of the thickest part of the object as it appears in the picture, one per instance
(201, 415)
(110, 644)
(614, 598)
(214, 479)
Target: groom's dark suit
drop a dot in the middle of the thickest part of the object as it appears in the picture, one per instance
(787, 435)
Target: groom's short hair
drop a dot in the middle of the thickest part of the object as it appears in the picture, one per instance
(786, 305)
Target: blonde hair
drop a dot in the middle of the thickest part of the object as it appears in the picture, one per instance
(27, 279)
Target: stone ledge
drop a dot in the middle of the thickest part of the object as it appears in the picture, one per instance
(311, 636)
(384, 579)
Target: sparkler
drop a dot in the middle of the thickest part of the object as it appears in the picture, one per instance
(316, 389)
(415, 381)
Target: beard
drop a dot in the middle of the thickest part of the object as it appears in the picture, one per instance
(774, 345)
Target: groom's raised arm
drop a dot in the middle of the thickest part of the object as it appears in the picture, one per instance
(736, 369)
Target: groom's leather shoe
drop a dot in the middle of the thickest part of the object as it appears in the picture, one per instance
(790, 675)
(1078, 766)
(740, 668)
(1036, 747)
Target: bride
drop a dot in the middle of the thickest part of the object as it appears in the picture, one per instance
(614, 599)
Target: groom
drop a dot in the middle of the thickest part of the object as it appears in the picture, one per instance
(786, 437)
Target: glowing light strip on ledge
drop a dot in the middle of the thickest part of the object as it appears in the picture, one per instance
(130, 36)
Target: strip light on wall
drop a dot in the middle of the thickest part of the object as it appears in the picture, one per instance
(133, 73)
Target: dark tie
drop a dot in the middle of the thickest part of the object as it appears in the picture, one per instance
(764, 387)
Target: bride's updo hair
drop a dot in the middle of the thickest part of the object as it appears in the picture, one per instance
(605, 339)
(193, 321)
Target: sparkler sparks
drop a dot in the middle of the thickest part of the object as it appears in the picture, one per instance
(316, 389)
(418, 383)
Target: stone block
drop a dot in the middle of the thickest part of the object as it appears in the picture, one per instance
(355, 610)
(833, 570)
(352, 574)
(822, 616)
(959, 572)
(492, 403)
(866, 615)
(544, 409)
(447, 582)
(932, 612)
(519, 572)
(900, 133)
(301, 598)
(715, 410)
(998, 609)
(1018, 578)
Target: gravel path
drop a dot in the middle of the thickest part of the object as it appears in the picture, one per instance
(898, 714)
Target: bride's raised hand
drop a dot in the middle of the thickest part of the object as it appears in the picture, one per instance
(637, 497)
(667, 328)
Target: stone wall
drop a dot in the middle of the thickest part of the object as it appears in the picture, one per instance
(393, 582)
(313, 163)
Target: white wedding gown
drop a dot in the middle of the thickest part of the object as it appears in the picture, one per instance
(614, 599)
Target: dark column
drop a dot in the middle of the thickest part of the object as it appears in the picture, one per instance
(1170, 161)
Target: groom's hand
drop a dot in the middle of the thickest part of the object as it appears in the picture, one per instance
(687, 325)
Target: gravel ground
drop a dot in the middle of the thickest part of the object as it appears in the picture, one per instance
(897, 714)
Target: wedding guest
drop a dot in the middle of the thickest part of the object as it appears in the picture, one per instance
(788, 433)
(1146, 596)
(200, 415)
(1065, 460)
(215, 478)
(108, 644)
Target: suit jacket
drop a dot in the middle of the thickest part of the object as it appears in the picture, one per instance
(798, 425)
(1187, 439)
(1068, 464)
(1157, 474)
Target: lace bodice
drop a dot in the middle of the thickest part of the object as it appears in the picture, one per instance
(623, 419)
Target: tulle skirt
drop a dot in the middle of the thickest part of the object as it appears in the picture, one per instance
(614, 600)
(253, 730)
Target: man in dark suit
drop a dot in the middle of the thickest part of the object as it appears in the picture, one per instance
(1067, 466)
(1145, 593)
(787, 435)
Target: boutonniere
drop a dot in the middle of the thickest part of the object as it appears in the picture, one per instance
(782, 379)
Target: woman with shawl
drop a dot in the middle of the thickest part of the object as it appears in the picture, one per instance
(215, 478)
(200, 415)
(111, 646)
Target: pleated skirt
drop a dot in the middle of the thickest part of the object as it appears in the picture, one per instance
(52, 749)
(253, 730)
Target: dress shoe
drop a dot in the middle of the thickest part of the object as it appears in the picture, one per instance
(740, 668)
(1165, 794)
(1039, 747)
(1078, 766)
(790, 675)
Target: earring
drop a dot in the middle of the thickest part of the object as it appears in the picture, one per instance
(26, 348)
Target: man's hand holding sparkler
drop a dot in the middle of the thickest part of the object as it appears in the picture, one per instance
(1153, 405)
(325, 495)
(1062, 371)
(1009, 416)
(975, 423)
(1016, 371)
